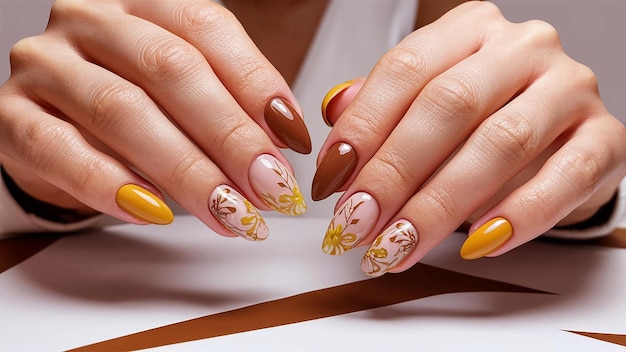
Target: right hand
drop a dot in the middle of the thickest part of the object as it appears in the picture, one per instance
(176, 91)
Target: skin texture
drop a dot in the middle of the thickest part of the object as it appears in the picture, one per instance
(483, 118)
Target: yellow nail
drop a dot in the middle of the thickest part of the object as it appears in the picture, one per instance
(332, 93)
(143, 205)
(487, 238)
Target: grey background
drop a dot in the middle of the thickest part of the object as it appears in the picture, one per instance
(592, 32)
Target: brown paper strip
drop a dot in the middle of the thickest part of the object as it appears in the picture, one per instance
(611, 338)
(15, 250)
(615, 240)
(418, 282)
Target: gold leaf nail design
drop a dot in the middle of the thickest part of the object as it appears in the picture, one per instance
(237, 214)
(390, 248)
(276, 186)
(353, 221)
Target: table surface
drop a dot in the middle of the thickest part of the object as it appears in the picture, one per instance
(183, 288)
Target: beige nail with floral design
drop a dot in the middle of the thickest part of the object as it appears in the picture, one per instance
(352, 221)
(237, 214)
(273, 182)
(390, 248)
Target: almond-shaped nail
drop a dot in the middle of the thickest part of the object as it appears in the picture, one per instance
(334, 170)
(487, 239)
(352, 221)
(237, 214)
(390, 248)
(273, 182)
(288, 125)
(333, 93)
(143, 205)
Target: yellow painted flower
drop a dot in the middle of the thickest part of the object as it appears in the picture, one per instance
(336, 241)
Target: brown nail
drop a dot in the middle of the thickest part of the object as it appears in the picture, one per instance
(334, 170)
(288, 125)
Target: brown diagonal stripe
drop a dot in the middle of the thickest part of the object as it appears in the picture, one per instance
(17, 249)
(418, 282)
(615, 240)
(611, 338)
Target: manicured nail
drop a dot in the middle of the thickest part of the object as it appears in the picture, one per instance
(390, 248)
(332, 93)
(334, 170)
(487, 238)
(353, 221)
(237, 214)
(144, 205)
(273, 182)
(288, 125)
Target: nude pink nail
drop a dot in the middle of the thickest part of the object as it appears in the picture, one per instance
(237, 214)
(390, 248)
(275, 184)
(352, 221)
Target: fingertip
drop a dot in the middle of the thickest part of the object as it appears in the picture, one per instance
(338, 98)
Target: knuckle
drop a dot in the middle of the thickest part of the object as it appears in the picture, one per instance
(510, 135)
(169, 59)
(454, 95)
(110, 105)
(585, 77)
(540, 33)
(393, 168)
(255, 75)
(184, 168)
(405, 64)
(235, 134)
(583, 167)
(25, 51)
(483, 10)
(40, 141)
(444, 204)
(201, 17)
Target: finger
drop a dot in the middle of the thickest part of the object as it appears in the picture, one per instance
(392, 86)
(54, 151)
(567, 180)
(124, 118)
(200, 105)
(338, 98)
(168, 53)
(495, 153)
(441, 118)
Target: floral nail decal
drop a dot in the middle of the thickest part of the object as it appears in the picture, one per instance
(237, 214)
(354, 220)
(277, 187)
(389, 248)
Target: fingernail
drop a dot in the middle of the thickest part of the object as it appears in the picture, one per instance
(288, 125)
(144, 205)
(332, 93)
(237, 214)
(353, 221)
(273, 182)
(334, 170)
(487, 238)
(390, 248)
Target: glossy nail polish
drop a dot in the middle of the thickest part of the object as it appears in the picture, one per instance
(273, 182)
(237, 214)
(144, 205)
(487, 238)
(352, 221)
(288, 125)
(390, 248)
(333, 93)
(334, 170)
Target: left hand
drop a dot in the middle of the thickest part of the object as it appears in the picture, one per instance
(472, 118)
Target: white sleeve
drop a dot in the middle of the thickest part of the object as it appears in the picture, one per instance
(14, 220)
(617, 216)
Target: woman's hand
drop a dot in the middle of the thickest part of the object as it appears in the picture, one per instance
(470, 118)
(118, 100)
